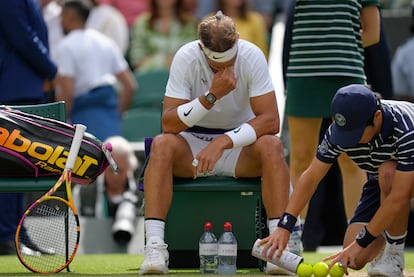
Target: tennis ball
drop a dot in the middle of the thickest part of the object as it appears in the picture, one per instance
(336, 271)
(304, 270)
(320, 269)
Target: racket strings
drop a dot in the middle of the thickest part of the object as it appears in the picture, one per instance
(49, 237)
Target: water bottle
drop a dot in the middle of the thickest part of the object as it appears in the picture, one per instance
(208, 249)
(227, 251)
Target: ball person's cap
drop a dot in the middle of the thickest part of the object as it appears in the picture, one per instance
(352, 107)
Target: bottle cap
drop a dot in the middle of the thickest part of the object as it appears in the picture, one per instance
(228, 226)
(208, 226)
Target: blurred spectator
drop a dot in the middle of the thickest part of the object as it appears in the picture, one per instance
(51, 13)
(157, 35)
(89, 65)
(250, 24)
(129, 8)
(205, 8)
(109, 21)
(27, 71)
(403, 68)
(270, 9)
(190, 7)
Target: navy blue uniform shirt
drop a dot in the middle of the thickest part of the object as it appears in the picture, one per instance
(394, 143)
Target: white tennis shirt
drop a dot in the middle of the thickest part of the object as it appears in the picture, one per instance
(191, 76)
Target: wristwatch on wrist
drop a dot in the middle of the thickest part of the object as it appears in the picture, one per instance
(210, 98)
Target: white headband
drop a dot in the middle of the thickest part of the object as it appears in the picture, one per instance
(220, 57)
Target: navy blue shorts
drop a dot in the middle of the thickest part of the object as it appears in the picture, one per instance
(368, 203)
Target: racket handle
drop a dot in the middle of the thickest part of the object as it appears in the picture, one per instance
(75, 146)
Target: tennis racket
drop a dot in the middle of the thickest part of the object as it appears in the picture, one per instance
(47, 236)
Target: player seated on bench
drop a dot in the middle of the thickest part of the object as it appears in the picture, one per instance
(220, 117)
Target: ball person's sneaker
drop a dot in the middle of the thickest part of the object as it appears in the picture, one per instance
(390, 262)
(156, 257)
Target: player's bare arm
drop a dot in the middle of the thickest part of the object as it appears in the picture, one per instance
(267, 119)
(301, 195)
(370, 27)
(396, 202)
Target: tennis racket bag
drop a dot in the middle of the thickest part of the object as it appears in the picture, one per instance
(35, 146)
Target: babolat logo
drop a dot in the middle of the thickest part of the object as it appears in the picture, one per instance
(45, 156)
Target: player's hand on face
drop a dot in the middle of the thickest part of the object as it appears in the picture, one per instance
(223, 82)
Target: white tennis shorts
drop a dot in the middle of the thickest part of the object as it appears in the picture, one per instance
(225, 166)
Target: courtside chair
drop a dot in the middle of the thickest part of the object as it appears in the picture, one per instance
(55, 110)
(137, 124)
(151, 89)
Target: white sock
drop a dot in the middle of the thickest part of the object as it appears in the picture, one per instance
(396, 242)
(272, 224)
(154, 228)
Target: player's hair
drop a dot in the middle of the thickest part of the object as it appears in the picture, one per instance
(218, 32)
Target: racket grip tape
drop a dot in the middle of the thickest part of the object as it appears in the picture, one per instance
(75, 146)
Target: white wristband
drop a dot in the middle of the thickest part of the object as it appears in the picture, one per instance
(243, 135)
(192, 112)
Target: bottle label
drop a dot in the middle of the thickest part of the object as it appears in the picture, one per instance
(288, 260)
(227, 250)
(208, 249)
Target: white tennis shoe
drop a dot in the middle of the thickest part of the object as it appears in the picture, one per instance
(156, 257)
(390, 262)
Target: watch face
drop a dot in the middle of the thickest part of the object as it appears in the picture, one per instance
(210, 98)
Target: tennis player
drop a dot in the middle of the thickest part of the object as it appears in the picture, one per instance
(220, 117)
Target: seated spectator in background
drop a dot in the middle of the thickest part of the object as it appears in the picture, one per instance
(157, 35)
(205, 8)
(250, 24)
(109, 21)
(101, 198)
(129, 8)
(270, 9)
(402, 69)
(190, 7)
(89, 65)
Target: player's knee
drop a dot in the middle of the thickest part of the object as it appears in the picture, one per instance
(162, 145)
(271, 146)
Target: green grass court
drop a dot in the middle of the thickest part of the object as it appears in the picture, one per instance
(128, 265)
